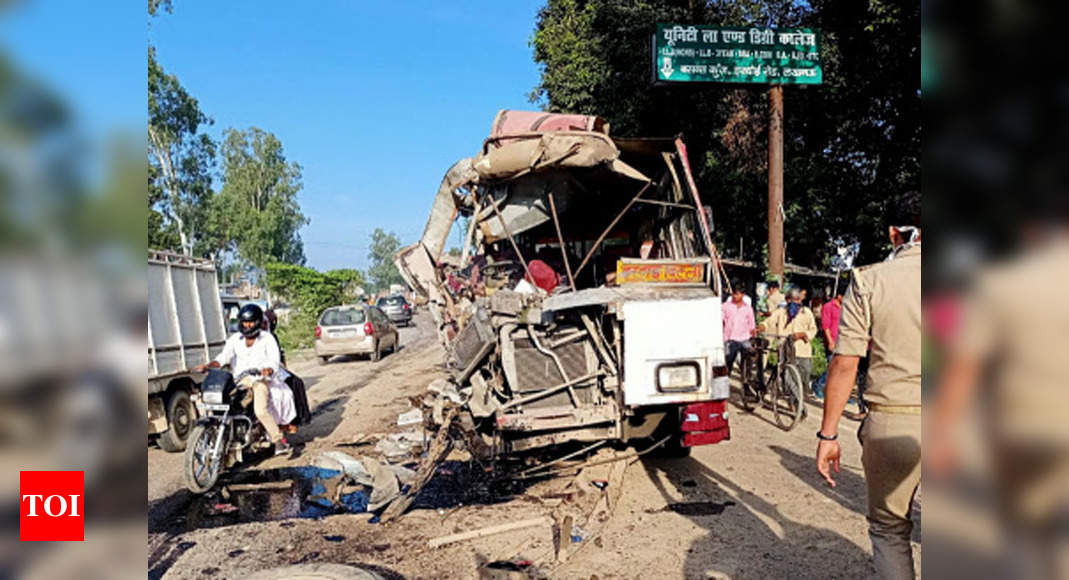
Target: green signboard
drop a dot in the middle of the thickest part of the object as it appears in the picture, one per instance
(732, 54)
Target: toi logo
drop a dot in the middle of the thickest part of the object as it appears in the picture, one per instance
(51, 506)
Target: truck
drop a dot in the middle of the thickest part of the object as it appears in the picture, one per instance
(586, 303)
(185, 329)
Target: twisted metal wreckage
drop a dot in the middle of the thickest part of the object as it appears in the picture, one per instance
(584, 305)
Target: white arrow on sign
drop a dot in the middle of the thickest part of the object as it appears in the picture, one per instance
(666, 67)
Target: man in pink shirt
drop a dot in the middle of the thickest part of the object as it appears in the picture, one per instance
(738, 325)
(829, 325)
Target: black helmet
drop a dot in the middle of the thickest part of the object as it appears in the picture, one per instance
(250, 313)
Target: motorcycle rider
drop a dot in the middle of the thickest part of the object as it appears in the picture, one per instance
(252, 349)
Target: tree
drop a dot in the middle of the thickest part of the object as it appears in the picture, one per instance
(41, 183)
(257, 209)
(382, 272)
(180, 157)
(162, 234)
(309, 293)
(850, 146)
(154, 6)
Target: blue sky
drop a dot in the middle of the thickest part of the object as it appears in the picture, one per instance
(375, 100)
(88, 54)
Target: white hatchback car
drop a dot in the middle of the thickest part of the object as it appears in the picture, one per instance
(354, 329)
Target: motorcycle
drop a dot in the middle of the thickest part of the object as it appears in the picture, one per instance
(226, 428)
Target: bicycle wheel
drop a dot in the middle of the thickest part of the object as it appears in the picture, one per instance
(787, 403)
(856, 400)
(768, 396)
(750, 394)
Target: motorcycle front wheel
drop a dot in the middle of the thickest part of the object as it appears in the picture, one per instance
(202, 467)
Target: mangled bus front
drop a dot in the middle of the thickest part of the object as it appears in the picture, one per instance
(584, 304)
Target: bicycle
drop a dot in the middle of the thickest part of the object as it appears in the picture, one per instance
(754, 388)
(781, 384)
(857, 393)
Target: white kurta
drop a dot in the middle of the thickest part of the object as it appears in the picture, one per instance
(263, 354)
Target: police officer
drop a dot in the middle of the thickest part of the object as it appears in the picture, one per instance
(883, 305)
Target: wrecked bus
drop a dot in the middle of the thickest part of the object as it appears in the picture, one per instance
(584, 305)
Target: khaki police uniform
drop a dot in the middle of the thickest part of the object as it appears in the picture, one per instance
(883, 305)
(1012, 327)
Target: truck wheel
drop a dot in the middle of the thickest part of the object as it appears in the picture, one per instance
(180, 417)
(673, 448)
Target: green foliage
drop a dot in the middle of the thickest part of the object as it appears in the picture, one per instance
(162, 234)
(851, 145)
(180, 159)
(820, 360)
(382, 272)
(154, 6)
(309, 293)
(257, 210)
(115, 212)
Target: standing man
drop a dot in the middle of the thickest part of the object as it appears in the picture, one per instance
(738, 324)
(883, 305)
(829, 326)
(773, 297)
(796, 322)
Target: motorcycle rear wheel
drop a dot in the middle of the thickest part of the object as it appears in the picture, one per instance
(201, 469)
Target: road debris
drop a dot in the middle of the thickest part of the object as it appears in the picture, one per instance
(411, 417)
(398, 446)
(385, 487)
(345, 463)
(508, 570)
(439, 449)
(490, 531)
(577, 534)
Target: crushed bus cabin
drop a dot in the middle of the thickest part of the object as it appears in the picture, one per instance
(585, 304)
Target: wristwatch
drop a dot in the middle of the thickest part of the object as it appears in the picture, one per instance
(824, 437)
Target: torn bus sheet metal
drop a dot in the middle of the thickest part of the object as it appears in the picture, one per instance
(566, 227)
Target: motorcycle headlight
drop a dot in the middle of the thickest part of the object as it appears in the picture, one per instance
(213, 397)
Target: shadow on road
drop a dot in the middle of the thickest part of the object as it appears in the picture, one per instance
(850, 487)
(749, 537)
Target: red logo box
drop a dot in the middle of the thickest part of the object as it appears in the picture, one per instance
(51, 506)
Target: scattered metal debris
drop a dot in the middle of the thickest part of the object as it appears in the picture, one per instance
(412, 417)
(437, 453)
(490, 531)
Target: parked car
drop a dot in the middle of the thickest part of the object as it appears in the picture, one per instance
(354, 329)
(397, 308)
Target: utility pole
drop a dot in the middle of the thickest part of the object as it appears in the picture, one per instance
(775, 181)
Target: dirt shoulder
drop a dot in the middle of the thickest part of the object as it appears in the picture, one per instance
(751, 507)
